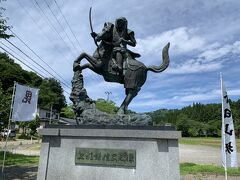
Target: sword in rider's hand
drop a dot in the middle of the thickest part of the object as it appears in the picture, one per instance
(90, 21)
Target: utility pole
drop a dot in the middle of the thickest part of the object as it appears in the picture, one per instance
(108, 94)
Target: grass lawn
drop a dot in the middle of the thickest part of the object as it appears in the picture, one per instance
(19, 159)
(191, 168)
(206, 141)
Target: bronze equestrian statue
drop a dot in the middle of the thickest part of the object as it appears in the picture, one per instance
(116, 63)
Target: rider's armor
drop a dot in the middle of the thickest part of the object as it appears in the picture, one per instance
(121, 48)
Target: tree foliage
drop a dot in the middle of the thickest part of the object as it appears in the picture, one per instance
(198, 119)
(51, 92)
(5, 103)
(67, 112)
(106, 106)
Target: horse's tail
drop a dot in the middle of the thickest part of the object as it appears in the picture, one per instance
(165, 63)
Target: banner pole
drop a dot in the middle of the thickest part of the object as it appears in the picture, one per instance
(9, 126)
(223, 132)
(50, 121)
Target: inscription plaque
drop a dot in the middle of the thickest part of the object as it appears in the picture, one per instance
(106, 157)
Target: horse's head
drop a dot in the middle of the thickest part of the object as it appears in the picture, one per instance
(107, 33)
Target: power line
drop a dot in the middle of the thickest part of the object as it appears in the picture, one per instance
(22, 58)
(36, 55)
(40, 28)
(60, 25)
(67, 23)
(21, 61)
(50, 23)
(36, 62)
(27, 65)
(28, 56)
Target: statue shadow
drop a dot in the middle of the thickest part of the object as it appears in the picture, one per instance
(19, 172)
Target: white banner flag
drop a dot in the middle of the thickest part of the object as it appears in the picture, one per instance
(25, 103)
(229, 151)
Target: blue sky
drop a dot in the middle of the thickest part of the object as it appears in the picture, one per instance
(204, 37)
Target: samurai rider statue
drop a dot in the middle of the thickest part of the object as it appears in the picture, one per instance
(115, 62)
(122, 36)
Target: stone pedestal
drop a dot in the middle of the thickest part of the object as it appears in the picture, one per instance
(156, 153)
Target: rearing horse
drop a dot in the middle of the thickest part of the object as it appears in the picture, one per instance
(135, 72)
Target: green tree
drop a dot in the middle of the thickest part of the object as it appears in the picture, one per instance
(198, 119)
(106, 106)
(67, 112)
(5, 103)
(33, 125)
(51, 93)
(190, 127)
(214, 127)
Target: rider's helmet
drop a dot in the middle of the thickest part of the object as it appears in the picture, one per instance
(121, 23)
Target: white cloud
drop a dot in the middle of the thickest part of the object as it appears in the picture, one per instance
(182, 100)
(208, 60)
(185, 97)
(182, 40)
(194, 66)
(198, 97)
(215, 53)
(234, 92)
(236, 48)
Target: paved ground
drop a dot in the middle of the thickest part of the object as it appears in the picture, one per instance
(21, 146)
(200, 154)
(188, 153)
(30, 173)
(19, 173)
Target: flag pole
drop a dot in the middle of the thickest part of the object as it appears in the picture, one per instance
(9, 125)
(223, 132)
(50, 121)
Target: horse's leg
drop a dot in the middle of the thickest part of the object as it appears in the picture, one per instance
(93, 61)
(89, 66)
(131, 93)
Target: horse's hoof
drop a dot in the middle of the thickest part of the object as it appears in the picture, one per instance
(120, 111)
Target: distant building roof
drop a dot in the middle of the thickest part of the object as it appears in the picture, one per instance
(67, 121)
(54, 110)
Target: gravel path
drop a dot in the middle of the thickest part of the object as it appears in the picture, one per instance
(200, 154)
(19, 142)
(21, 146)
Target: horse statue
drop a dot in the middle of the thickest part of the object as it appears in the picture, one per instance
(134, 72)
